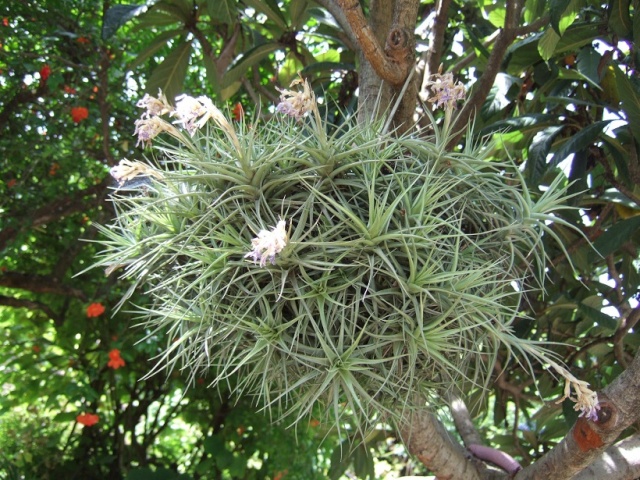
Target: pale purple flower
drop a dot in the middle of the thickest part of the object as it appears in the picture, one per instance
(154, 106)
(296, 103)
(446, 91)
(128, 170)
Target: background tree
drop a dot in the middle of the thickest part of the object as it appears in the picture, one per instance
(554, 82)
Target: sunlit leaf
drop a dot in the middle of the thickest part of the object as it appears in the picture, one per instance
(156, 44)
(538, 152)
(223, 11)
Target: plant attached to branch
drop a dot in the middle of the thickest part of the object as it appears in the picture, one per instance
(333, 274)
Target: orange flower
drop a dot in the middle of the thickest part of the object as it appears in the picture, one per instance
(53, 169)
(11, 183)
(115, 361)
(280, 475)
(95, 310)
(79, 113)
(5, 21)
(314, 422)
(69, 90)
(83, 40)
(44, 73)
(88, 419)
(238, 112)
(36, 349)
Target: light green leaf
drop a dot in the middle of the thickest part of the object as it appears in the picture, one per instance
(556, 11)
(547, 44)
(170, 74)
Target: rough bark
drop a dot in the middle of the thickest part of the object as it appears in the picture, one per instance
(588, 441)
(386, 47)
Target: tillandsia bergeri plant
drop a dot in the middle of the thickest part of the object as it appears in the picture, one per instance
(333, 272)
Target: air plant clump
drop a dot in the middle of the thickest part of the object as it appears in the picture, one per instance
(330, 274)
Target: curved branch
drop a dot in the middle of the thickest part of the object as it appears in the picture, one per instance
(426, 438)
(619, 462)
(389, 63)
(39, 284)
(338, 14)
(483, 86)
(30, 305)
(587, 441)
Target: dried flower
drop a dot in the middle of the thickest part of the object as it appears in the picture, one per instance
(294, 103)
(268, 243)
(446, 91)
(154, 106)
(586, 400)
(88, 419)
(147, 128)
(128, 170)
(79, 113)
(95, 310)
(115, 361)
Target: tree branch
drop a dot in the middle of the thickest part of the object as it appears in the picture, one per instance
(39, 284)
(389, 62)
(587, 440)
(338, 14)
(426, 438)
(619, 462)
(30, 305)
(78, 201)
(483, 86)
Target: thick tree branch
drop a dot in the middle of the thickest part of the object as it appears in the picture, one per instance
(30, 305)
(436, 42)
(39, 284)
(389, 63)
(619, 462)
(77, 202)
(587, 440)
(338, 14)
(426, 438)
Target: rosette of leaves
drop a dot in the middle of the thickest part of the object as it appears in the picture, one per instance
(404, 268)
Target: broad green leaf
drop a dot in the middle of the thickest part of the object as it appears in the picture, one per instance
(223, 11)
(340, 461)
(529, 123)
(496, 15)
(579, 141)
(591, 308)
(587, 61)
(181, 9)
(538, 152)
(270, 9)
(363, 465)
(154, 18)
(534, 9)
(250, 58)
(630, 98)
(170, 74)
(615, 236)
(620, 19)
(156, 44)
(578, 36)
(557, 9)
(117, 16)
(212, 74)
(298, 12)
(547, 44)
